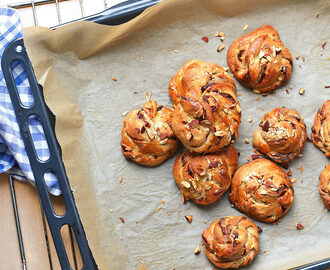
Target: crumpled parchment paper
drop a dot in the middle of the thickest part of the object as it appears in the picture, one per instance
(75, 64)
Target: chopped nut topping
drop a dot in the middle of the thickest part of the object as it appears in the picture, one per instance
(293, 180)
(185, 184)
(297, 56)
(176, 51)
(249, 119)
(301, 91)
(299, 226)
(219, 34)
(257, 98)
(226, 68)
(111, 210)
(245, 27)
(221, 47)
(265, 251)
(205, 221)
(256, 91)
(220, 133)
(121, 180)
(148, 95)
(247, 141)
(323, 45)
(189, 136)
(124, 113)
(197, 250)
(239, 93)
(169, 214)
(188, 218)
(137, 222)
(301, 169)
(114, 79)
(194, 184)
(206, 39)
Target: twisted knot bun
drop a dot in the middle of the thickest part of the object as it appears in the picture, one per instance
(207, 113)
(259, 60)
(147, 136)
(324, 186)
(262, 190)
(281, 135)
(205, 178)
(321, 128)
(231, 242)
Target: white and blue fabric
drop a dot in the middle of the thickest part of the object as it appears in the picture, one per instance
(13, 158)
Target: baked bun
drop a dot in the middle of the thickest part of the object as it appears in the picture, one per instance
(231, 242)
(147, 136)
(259, 60)
(321, 128)
(281, 135)
(324, 186)
(262, 190)
(207, 114)
(205, 178)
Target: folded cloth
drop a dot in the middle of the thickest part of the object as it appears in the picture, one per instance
(13, 156)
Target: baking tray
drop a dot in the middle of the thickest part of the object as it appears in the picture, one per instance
(16, 51)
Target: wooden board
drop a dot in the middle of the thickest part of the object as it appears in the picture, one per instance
(33, 234)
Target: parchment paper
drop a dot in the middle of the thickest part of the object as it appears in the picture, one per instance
(75, 64)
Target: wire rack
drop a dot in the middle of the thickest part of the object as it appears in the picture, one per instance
(55, 12)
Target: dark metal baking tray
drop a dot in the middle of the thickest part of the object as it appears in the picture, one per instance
(116, 15)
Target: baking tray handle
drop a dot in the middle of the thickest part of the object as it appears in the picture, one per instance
(15, 51)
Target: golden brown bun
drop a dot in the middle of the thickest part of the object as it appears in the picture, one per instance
(321, 128)
(324, 186)
(231, 242)
(205, 178)
(281, 135)
(259, 60)
(147, 136)
(207, 113)
(262, 190)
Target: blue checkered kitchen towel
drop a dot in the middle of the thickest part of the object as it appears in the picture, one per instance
(14, 160)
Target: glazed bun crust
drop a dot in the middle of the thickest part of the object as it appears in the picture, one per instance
(281, 135)
(324, 186)
(205, 178)
(259, 60)
(321, 128)
(231, 242)
(207, 113)
(261, 190)
(147, 136)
